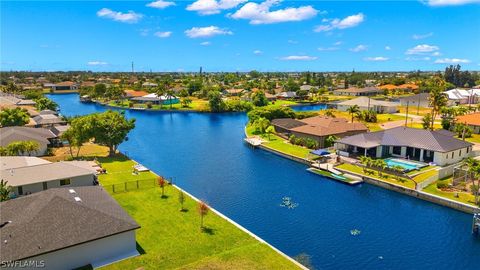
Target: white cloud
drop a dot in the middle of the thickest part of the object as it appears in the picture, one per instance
(376, 59)
(292, 41)
(209, 31)
(347, 22)
(209, 7)
(422, 36)
(426, 58)
(452, 61)
(97, 63)
(388, 48)
(338, 43)
(257, 52)
(259, 13)
(422, 49)
(436, 54)
(160, 4)
(450, 2)
(327, 48)
(206, 43)
(298, 58)
(129, 17)
(359, 48)
(165, 34)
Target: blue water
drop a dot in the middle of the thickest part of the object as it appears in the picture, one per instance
(314, 107)
(407, 166)
(207, 156)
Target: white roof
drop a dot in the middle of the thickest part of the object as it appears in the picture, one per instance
(162, 97)
(17, 162)
(462, 93)
(364, 101)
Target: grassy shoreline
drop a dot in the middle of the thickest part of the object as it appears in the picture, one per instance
(172, 239)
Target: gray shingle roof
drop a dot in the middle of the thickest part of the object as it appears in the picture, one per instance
(51, 220)
(438, 141)
(11, 134)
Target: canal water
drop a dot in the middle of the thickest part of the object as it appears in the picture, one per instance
(207, 156)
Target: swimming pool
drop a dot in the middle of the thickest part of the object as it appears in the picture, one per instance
(407, 165)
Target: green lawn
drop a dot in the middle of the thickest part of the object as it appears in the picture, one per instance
(281, 144)
(172, 239)
(120, 170)
(474, 139)
(282, 102)
(462, 196)
(329, 174)
(374, 174)
(425, 175)
(196, 105)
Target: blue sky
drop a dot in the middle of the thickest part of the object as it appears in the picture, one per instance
(240, 35)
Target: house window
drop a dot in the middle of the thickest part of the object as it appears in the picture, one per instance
(460, 153)
(397, 150)
(453, 153)
(45, 185)
(468, 149)
(64, 182)
(20, 190)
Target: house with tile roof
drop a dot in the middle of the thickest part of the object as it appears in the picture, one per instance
(472, 120)
(44, 137)
(366, 103)
(66, 228)
(317, 128)
(438, 147)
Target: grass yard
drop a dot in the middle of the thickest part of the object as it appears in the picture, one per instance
(413, 110)
(88, 150)
(282, 102)
(463, 197)
(424, 176)
(474, 139)
(280, 144)
(196, 105)
(172, 239)
(120, 170)
(374, 174)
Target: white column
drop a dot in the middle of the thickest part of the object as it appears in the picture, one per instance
(421, 155)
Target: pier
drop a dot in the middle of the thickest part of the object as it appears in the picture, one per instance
(254, 141)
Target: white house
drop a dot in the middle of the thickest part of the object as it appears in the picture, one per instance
(366, 103)
(65, 228)
(463, 96)
(29, 178)
(439, 147)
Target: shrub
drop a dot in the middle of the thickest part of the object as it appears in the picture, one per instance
(442, 184)
(130, 104)
(149, 104)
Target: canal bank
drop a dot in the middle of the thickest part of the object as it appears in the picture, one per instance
(206, 154)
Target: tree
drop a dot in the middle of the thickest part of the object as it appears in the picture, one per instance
(426, 121)
(14, 117)
(259, 99)
(463, 131)
(291, 86)
(329, 113)
(81, 130)
(161, 183)
(202, 211)
(260, 125)
(352, 110)
(18, 148)
(111, 129)
(5, 191)
(44, 103)
(99, 90)
(330, 140)
(181, 199)
(437, 98)
(215, 101)
(473, 168)
(270, 130)
(186, 102)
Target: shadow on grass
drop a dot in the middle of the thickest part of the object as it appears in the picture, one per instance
(184, 210)
(140, 249)
(208, 230)
(164, 197)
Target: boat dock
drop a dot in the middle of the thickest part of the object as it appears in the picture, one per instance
(335, 175)
(253, 141)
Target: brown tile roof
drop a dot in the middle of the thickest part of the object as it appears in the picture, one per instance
(133, 93)
(325, 126)
(470, 119)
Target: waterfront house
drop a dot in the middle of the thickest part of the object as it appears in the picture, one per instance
(439, 147)
(66, 228)
(62, 86)
(317, 128)
(366, 91)
(366, 103)
(44, 137)
(48, 120)
(9, 100)
(287, 95)
(472, 120)
(20, 161)
(155, 99)
(42, 176)
(133, 93)
(418, 100)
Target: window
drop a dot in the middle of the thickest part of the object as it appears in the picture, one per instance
(20, 190)
(460, 153)
(453, 153)
(45, 185)
(397, 150)
(64, 182)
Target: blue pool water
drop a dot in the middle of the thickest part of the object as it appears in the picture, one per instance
(313, 107)
(407, 166)
(207, 156)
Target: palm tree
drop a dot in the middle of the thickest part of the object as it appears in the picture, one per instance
(181, 199)
(437, 99)
(353, 110)
(202, 211)
(5, 190)
(161, 183)
(160, 91)
(473, 167)
(270, 130)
